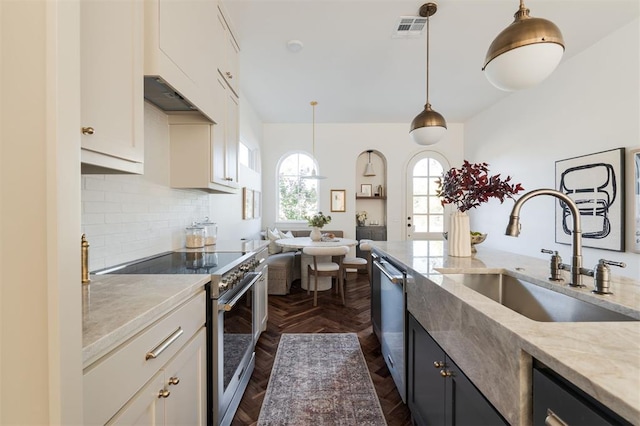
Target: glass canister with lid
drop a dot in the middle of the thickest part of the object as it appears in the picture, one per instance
(195, 236)
(211, 232)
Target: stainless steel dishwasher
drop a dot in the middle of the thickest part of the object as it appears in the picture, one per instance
(392, 281)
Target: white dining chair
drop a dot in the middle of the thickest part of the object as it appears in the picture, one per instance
(359, 263)
(323, 266)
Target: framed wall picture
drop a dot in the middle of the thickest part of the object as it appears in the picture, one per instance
(257, 206)
(635, 163)
(596, 183)
(247, 203)
(366, 189)
(338, 200)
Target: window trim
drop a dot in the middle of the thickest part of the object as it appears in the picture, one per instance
(282, 158)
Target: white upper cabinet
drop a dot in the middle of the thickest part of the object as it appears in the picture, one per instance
(227, 51)
(202, 154)
(112, 86)
(179, 49)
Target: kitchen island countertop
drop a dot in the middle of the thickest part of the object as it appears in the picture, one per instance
(497, 345)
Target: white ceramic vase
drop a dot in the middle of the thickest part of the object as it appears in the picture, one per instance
(459, 238)
(315, 235)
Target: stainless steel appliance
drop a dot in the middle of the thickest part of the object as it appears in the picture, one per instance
(231, 324)
(391, 280)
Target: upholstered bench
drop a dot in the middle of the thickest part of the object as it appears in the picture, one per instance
(284, 267)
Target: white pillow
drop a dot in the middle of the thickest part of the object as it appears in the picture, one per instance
(273, 236)
(287, 234)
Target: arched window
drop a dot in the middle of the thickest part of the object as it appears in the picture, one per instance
(297, 196)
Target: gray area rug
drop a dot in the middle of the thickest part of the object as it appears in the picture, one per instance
(320, 379)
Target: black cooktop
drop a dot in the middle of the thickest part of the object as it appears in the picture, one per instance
(189, 262)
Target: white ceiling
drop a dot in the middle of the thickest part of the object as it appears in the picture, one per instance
(358, 73)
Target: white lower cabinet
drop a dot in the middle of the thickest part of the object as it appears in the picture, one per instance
(176, 395)
(262, 303)
(157, 376)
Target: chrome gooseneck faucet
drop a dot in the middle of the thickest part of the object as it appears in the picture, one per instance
(513, 229)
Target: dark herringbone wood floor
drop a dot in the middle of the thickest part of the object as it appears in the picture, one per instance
(295, 313)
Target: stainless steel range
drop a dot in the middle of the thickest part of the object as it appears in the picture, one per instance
(231, 324)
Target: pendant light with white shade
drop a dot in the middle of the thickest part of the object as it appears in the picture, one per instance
(313, 174)
(368, 170)
(429, 126)
(525, 53)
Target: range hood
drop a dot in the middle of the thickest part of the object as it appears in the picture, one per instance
(161, 94)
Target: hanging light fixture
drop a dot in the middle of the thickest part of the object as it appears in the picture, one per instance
(313, 174)
(524, 53)
(429, 126)
(368, 170)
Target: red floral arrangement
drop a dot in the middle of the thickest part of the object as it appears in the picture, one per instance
(471, 185)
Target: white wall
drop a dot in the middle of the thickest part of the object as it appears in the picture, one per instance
(127, 217)
(337, 149)
(590, 104)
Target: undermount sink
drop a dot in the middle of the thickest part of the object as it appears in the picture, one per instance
(535, 302)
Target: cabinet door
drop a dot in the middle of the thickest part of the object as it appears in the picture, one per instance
(261, 304)
(186, 380)
(232, 139)
(228, 50)
(112, 84)
(224, 160)
(466, 404)
(146, 407)
(561, 401)
(426, 386)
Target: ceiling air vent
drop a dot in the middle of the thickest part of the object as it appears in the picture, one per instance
(409, 26)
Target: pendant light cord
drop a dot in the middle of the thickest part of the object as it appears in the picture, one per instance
(428, 32)
(313, 129)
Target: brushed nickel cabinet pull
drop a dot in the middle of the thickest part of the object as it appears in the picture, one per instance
(155, 352)
(88, 131)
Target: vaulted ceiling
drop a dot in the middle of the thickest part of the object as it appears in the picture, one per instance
(359, 73)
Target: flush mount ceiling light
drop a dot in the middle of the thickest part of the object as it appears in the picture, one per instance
(313, 174)
(294, 46)
(368, 171)
(524, 53)
(429, 126)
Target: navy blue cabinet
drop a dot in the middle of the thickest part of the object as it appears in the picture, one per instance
(558, 401)
(438, 391)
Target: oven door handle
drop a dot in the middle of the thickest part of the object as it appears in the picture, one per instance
(231, 303)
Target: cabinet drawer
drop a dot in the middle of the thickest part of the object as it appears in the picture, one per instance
(111, 381)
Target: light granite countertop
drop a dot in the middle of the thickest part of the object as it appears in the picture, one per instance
(116, 307)
(494, 345)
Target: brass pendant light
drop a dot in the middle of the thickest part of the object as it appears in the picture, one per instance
(524, 53)
(313, 174)
(429, 126)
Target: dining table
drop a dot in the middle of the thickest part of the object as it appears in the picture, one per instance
(324, 283)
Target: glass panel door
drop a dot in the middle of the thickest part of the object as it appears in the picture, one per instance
(425, 213)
